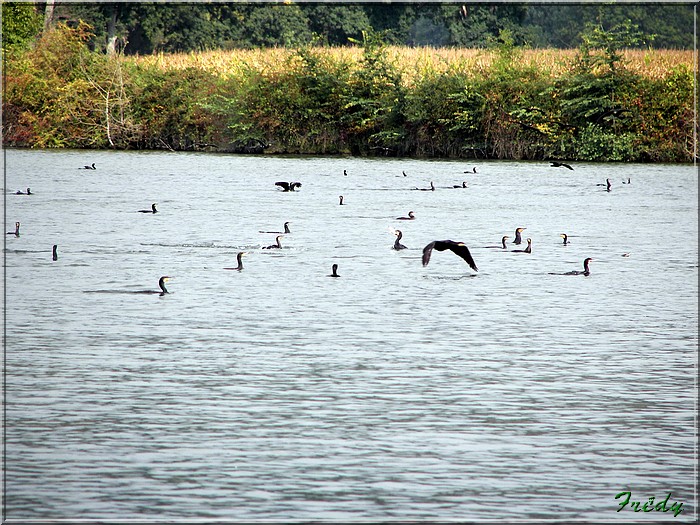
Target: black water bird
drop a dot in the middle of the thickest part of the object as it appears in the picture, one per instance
(55, 253)
(586, 271)
(518, 239)
(239, 258)
(556, 164)
(20, 192)
(341, 200)
(464, 185)
(404, 174)
(502, 245)
(16, 232)
(152, 210)
(623, 182)
(565, 237)
(334, 268)
(161, 285)
(526, 250)
(458, 248)
(432, 187)
(288, 186)
(345, 172)
(472, 171)
(275, 246)
(626, 254)
(409, 218)
(286, 229)
(91, 167)
(397, 244)
(607, 184)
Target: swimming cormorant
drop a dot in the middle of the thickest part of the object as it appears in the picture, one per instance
(345, 172)
(288, 186)
(92, 167)
(397, 244)
(341, 200)
(556, 164)
(20, 192)
(526, 250)
(472, 171)
(404, 174)
(273, 246)
(55, 254)
(623, 182)
(286, 229)
(409, 218)
(565, 237)
(464, 185)
(517, 239)
(335, 271)
(585, 271)
(458, 248)
(432, 187)
(152, 210)
(239, 258)
(16, 232)
(503, 243)
(161, 285)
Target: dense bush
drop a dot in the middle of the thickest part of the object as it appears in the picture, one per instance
(316, 101)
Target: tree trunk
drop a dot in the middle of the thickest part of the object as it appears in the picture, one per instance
(111, 48)
(48, 14)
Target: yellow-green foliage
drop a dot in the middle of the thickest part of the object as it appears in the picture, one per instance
(375, 99)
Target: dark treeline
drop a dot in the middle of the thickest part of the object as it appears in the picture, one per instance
(145, 28)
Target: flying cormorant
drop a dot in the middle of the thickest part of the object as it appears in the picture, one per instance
(459, 248)
(288, 186)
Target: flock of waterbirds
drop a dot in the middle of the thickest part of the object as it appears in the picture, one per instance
(457, 247)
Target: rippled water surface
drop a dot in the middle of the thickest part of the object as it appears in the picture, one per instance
(395, 392)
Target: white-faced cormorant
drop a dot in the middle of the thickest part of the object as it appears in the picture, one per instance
(502, 245)
(397, 244)
(20, 192)
(92, 167)
(472, 171)
(464, 185)
(409, 218)
(334, 268)
(286, 229)
(585, 271)
(526, 250)
(16, 232)
(152, 210)
(432, 187)
(459, 248)
(518, 239)
(239, 258)
(565, 237)
(275, 246)
(341, 199)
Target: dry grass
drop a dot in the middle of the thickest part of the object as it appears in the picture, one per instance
(650, 63)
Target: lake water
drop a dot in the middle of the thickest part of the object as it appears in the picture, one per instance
(395, 392)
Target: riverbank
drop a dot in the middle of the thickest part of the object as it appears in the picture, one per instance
(505, 103)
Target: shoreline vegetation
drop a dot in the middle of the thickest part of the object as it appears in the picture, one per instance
(601, 102)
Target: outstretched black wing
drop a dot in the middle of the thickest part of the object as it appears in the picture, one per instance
(556, 164)
(458, 248)
(283, 185)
